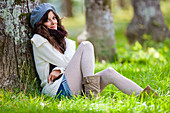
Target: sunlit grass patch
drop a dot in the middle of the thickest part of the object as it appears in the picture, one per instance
(110, 100)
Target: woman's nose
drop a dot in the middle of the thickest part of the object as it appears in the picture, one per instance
(52, 22)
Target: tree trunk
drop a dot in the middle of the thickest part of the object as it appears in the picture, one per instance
(67, 8)
(17, 67)
(147, 20)
(99, 29)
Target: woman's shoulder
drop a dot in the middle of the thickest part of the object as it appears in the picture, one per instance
(38, 40)
(69, 40)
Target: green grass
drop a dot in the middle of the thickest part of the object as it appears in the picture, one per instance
(111, 99)
(143, 72)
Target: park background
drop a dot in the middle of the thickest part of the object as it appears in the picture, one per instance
(146, 64)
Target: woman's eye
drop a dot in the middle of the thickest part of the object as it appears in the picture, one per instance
(54, 17)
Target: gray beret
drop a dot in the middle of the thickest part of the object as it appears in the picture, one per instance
(39, 11)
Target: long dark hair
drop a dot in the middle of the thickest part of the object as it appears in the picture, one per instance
(55, 37)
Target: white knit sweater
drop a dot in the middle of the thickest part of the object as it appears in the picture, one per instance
(44, 54)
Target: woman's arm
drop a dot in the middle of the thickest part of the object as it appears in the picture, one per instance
(53, 56)
(45, 51)
(53, 75)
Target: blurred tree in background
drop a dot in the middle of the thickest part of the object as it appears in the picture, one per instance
(147, 20)
(67, 8)
(64, 5)
(99, 29)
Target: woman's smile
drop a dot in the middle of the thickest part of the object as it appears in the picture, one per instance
(53, 27)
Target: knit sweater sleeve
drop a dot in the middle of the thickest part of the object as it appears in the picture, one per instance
(70, 48)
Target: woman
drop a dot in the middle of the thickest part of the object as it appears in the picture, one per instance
(63, 71)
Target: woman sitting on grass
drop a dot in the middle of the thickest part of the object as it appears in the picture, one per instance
(64, 72)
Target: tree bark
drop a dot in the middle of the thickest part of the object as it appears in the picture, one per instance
(99, 29)
(17, 67)
(147, 20)
(67, 8)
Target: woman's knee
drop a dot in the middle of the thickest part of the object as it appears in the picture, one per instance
(110, 69)
(87, 44)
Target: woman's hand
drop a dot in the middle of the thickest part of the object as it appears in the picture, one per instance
(53, 75)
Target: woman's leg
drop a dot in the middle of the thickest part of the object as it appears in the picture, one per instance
(111, 76)
(82, 64)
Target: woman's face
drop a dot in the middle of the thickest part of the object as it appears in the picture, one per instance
(51, 21)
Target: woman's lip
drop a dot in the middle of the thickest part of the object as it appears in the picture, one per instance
(52, 27)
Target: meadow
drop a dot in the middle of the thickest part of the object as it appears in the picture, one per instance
(145, 65)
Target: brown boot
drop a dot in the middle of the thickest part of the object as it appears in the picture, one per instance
(149, 91)
(91, 85)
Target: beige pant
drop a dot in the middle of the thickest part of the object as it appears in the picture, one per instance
(83, 64)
